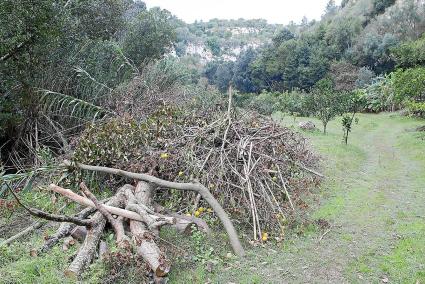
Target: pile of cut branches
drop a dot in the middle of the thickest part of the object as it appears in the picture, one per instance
(252, 165)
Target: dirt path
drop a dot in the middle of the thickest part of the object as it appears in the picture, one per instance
(374, 200)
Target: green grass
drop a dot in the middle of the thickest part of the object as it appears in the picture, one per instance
(18, 266)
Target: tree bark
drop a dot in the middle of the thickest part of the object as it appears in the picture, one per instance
(87, 251)
(64, 230)
(143, 238)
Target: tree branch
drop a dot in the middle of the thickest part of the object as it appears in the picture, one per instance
(48, 216)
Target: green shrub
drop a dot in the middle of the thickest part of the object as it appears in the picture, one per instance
(265, 103)
(416, 108)
(294, 103)
(409, 84)
(120, 140)
(379, 95)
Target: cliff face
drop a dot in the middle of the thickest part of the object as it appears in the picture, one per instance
(222, 39)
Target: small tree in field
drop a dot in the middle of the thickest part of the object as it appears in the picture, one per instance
(325, 103)
(354, 102)
(292, 103)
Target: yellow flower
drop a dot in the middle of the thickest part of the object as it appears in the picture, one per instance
(264, 236)
(197, 213)
(164, 155)
(274, 178)
(201, 209)
(181, 173)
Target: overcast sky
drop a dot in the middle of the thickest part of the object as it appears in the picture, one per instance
(274, 11)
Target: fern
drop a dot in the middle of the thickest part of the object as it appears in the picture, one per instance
(61, 103)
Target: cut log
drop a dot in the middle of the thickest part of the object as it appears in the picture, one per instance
(87, 251)
(68, 242)
(144, 239)
(148, 250)
(103, 250)
(79, 233)
(184, 223)
(184, 226)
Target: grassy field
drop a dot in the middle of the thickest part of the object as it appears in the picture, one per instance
(373, 198)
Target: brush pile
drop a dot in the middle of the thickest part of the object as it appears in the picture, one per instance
(253, 166)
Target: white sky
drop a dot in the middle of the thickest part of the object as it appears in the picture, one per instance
(274, 11)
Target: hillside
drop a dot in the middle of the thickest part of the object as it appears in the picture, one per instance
(222, 39)
(357, 38)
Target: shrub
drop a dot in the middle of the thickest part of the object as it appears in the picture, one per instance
(265, 103)
(117, 141)
(293, 103)
(416, 108)
(379, 95)
(409, 84)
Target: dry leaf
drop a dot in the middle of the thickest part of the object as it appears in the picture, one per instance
(33, 252)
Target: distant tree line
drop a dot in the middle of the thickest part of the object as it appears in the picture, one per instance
(362, 43)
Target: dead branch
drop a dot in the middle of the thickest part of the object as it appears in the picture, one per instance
(184, 223)
(28, 230)
(118, 226)
(48, 216)
(87, 202)
(87, 251)
(64, 230)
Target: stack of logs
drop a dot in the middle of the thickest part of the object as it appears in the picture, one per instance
(135, 218)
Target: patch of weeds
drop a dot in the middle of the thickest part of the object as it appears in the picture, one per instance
(362, 264)
(363, 268)
(203, 252)
(47, 268)
(389, 221)
(331, 209)
(306, 229)
(406, 262)
(347, 237)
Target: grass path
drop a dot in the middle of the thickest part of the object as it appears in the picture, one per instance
(374, 199)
